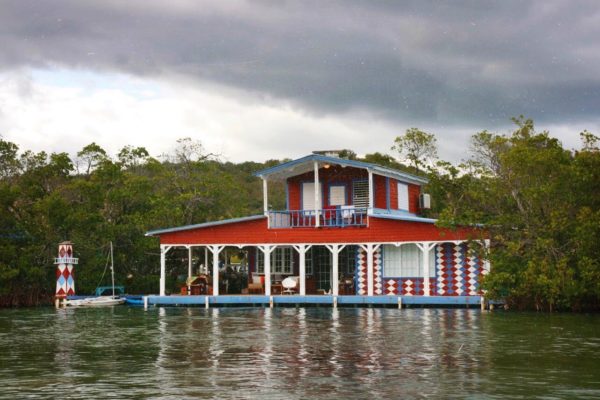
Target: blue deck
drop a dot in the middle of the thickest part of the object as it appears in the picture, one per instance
(324, 300)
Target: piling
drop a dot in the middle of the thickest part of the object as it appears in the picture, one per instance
(206, 302)
(145, 302)
(271, 301)
(399, 302)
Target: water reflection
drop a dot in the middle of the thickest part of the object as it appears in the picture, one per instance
(296, 353)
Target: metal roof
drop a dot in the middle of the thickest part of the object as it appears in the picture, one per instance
(304, 164)
(378, 213)
(204, 225)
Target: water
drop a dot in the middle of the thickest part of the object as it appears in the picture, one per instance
(296, 353)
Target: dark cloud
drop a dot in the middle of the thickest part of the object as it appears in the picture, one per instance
(455, 63)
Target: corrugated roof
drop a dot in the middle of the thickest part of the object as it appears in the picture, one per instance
(204, 225)
(288, 167)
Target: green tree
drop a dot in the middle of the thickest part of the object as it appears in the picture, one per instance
(416, 147)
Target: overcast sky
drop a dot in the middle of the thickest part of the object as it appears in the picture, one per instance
(255, 80)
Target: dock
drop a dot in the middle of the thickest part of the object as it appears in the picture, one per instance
(316, 300)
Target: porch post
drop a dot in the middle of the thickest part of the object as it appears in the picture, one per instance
(266, 201)
(267, 267)
(486, 261)
(162, 282)
(335, 275)
(370, 269)
(215, 273)
(317, 196)
(302, 249)
(425, 249)
(189, 261)
(371, 196)
(205, 260)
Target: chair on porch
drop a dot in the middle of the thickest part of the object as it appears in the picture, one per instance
(256, 286)
(290, 285)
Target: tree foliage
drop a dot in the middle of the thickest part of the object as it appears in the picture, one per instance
(540, 205)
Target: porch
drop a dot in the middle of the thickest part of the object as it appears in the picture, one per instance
(440, 268)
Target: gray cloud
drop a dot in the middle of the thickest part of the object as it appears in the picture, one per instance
(468, 63)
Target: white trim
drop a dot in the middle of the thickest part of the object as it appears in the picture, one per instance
(302, 249)
(335, 275)
(371, 194)
(267, 250)
(163, 261)
(358, 243)
(216, 249)
(317, 196)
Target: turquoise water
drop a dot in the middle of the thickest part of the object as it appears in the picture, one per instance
(296, 353)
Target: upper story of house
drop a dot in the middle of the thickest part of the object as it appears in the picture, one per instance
(327, 191)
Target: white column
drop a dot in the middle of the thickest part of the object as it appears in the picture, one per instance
(425, 249)
(335, 275)
(370, 252)
(371, 198)
(189, 261)
(267, 267)
(317, 196)
(266, 201)
(486, 261)
(205, 260)
(302, 249)
(215, 250)
(162, 282)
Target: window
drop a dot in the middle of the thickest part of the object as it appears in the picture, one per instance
(308, 195)
(337, 195)
(406, 261)
(360, 194)
(308, 261)
(403, 196)
(281, 261)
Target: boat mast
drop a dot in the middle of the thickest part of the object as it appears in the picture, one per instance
(112, 270)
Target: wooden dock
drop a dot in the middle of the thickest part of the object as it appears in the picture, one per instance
(317, 300)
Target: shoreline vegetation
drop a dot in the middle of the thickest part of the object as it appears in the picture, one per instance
(539, 202)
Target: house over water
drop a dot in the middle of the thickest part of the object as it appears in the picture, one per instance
(348, 228)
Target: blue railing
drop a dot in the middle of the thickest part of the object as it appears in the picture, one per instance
(335, 217)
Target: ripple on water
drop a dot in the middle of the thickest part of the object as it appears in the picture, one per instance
(299, 353)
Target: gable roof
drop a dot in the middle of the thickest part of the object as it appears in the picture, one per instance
(306, 164)
(204, 225)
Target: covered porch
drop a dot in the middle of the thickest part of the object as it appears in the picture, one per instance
(445, 268)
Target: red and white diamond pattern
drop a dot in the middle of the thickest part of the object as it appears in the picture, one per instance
(378, 281)
(391, 287)
(362, 272)
(439, 267)
(458, 279)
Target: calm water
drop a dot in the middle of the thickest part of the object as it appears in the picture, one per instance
(300, 353)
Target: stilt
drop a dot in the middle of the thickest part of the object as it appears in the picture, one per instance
(145, 302)
(206, 302)
(334, 301)
(271, 301)
(482, 303)
(399, 302)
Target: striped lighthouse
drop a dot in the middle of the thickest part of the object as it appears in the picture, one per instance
(65, 282)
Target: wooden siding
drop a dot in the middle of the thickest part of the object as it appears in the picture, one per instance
(256, 232)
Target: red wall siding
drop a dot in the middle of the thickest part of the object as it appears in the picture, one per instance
(256, 232)
(332, 175)
(293, 195)
(413, 198)
(380, 196)
(393, 194)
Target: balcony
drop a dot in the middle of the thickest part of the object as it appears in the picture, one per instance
(338, 217)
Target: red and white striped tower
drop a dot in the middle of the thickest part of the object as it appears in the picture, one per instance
(65, 282)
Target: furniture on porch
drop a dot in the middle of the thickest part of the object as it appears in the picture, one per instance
(290, 284)
(197, 285)
(276, 288)
(256, 286)
(346, 286)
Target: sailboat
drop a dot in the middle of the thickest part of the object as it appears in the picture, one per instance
(100, 300)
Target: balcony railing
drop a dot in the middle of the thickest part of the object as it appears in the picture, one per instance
(336, 217)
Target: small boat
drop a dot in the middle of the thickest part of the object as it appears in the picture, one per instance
(99, 301)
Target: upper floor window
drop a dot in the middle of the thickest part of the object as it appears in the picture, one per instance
(337, 195)
(360, 194)
(308, 196)
(403, 196)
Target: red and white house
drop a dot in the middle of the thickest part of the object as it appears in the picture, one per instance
(349, 228)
